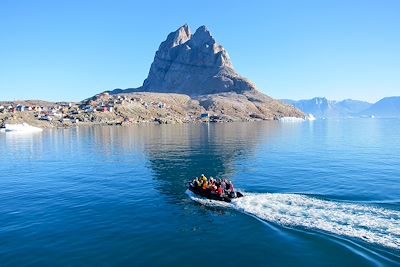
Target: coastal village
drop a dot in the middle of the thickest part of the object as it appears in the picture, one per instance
(137, 108)
(105, 109)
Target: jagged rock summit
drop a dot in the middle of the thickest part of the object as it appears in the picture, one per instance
(195, 65)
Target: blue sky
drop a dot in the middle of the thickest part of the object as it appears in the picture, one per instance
(70, 50)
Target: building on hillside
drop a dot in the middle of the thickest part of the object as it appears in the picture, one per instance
(20, 108)
(205, 117)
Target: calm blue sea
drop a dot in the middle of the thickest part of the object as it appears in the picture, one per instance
(322, 193)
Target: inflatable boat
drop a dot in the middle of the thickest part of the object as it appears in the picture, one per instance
(212, 195)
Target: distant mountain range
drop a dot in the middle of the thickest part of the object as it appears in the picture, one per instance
(386, 107)
(321, 107)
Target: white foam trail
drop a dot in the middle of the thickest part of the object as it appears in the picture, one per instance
(369, 223)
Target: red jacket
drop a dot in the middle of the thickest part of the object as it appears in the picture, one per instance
(220, 191)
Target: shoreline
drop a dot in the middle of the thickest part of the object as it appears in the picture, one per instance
(144, 107)
(24, 117)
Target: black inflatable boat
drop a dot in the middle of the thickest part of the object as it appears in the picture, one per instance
(214, 196)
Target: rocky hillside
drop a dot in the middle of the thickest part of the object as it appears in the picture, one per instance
(197, 66)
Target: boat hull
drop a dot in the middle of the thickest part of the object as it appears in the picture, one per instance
(210, 195)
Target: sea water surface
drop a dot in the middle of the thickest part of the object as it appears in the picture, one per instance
(322, 193)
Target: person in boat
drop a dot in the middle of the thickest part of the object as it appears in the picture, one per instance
(213, 188)
(212, 181)
(202, 180)
(196, 182)
(205, 184)
(220, 191)
(231, 190)
(223, 184)
(227, 185)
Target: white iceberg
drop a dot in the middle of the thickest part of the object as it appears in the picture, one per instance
(21, 128)
(310, 117)
(291, 119)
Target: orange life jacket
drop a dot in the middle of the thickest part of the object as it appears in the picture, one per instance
(205, 185)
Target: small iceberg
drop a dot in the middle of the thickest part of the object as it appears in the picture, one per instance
(21, 128)
(310, 117)
(291, 119)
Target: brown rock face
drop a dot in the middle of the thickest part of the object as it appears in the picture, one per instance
(250, 105)
(193, 64)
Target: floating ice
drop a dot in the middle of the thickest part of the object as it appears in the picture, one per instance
(310, 117)
(22, 127)
(291, 119)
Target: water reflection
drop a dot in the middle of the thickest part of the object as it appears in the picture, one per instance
(177, 154)
(20, 145)
(174, 154)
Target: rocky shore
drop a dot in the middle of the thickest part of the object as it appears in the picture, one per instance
(146, 107)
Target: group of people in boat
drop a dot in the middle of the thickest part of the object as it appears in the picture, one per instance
(221, 187)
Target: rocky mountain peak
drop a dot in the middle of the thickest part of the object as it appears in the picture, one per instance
(174, 39)
(179, 36)
(193, 64)
(202, 37)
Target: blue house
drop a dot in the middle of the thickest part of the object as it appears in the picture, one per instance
(204, 117)
(20, 108)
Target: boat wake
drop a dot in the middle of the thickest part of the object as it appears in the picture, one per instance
(369, 223)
